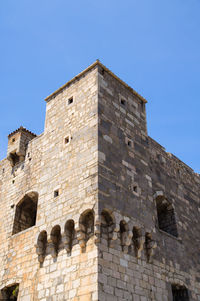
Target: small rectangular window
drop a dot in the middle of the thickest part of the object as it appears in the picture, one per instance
(56, 193)
(67, 140)
(129, 143)
(70, 100)
(135, 188)
(123, 101)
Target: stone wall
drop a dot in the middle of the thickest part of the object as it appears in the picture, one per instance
(134, 173)
(117, 216)
(54, 164)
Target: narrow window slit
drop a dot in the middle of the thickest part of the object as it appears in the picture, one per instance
(70, 100)
(67, 140)
(56, 193)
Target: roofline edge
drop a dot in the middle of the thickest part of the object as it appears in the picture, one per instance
(97, 62)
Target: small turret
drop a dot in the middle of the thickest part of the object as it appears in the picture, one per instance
(17, 145)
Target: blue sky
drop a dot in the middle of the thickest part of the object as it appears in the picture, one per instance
(153, 45)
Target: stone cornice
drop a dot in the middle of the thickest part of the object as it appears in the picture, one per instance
(96, 63)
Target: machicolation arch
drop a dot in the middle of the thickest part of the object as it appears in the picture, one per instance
(110, 233)
(86, 227)
(41, 246)
(69, 235)
(55, 240)
(107, 226)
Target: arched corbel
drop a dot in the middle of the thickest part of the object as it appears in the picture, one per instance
(150, 245)
(113, 235)
(85, 228)
(54, 241)
(68, 236)
(41, 246)
(97, 229)
(125, 235)
(138, 240)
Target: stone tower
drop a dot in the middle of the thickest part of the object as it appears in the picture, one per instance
(95, 209)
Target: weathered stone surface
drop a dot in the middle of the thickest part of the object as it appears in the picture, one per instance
(117, 217)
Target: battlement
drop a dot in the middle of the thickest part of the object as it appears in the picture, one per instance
(17, 145)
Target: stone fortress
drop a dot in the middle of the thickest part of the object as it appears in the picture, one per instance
(95, 209)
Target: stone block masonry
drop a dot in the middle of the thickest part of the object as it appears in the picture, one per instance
(93, 208)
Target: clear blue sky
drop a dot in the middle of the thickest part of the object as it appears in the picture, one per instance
(153, 45)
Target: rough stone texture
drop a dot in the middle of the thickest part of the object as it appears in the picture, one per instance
(99, 179)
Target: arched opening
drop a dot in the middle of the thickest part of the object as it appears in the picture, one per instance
(87, 224)
(10, 293)
(25, 213)
(123, 233)
(166, 216)
(179, 293)
(41, 246)
(107, 227)
(69, 234)
(14, 159)
(56, 239)
(138, 241)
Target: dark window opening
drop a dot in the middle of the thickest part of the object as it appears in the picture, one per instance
(56, 193)
(14, 158)
(123, 102)
(67, 140)
(180, 293)
(129, 143)
(135, 188)
(166, 216)
(25, 214)
(70, 100)
(13, 140)
(10, 293)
